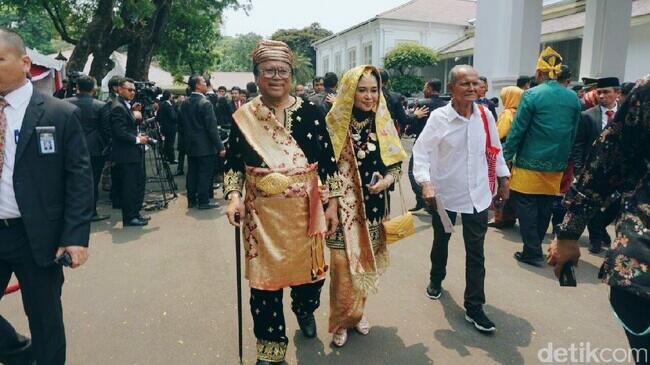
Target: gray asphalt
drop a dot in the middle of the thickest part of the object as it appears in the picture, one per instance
(166, 294)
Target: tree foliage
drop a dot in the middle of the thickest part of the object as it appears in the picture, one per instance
(301, 40)
(406, 57)
(33, 26)
(406, 84)
(100, 27)
(302, 70)
(234, 53)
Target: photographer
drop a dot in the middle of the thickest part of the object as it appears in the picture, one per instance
(128, 154)
(95, 122)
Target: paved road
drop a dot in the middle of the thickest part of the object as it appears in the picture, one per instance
(165, 294)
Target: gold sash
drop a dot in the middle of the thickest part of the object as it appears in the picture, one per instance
(284, 222)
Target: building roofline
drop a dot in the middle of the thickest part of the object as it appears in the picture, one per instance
(323, 40)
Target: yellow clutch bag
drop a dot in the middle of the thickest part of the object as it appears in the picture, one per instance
(399, 227)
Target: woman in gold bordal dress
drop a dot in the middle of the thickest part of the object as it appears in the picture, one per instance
(366, 147)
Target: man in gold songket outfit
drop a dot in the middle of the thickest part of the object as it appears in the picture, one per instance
(281, 155)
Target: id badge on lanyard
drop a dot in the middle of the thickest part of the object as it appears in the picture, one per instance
(46, 141)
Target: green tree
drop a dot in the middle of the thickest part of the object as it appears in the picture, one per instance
(303, 70)
(403, 61)
(301, 40)
(100, 27)
(190, 43)
(234, 53)
(34, 27)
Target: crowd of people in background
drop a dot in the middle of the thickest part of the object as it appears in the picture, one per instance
(326, 158)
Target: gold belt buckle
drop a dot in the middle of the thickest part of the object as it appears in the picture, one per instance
(273, 183)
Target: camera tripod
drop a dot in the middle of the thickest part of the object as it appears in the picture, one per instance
(161, 187)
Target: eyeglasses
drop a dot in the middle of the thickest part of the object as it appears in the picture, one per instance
(129, 89)
(282, 73)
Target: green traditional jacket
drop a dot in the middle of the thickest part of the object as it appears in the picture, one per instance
(542, 134)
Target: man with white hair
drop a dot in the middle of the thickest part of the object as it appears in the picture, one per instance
(457, 133)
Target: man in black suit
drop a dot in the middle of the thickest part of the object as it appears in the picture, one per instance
(482, 99)
(180, 140)
(115, 193)
(593, 121)
(325, 98)
(235, 99)
(202, 143)
(46, 202)
(251, 89)
(395, 106)
(128, 154)
(168, 121)
(431, 102)
(95, 122)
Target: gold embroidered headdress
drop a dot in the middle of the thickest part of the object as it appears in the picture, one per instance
(338, 119)
(550, 62)
(268, 50)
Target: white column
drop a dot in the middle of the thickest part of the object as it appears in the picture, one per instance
(507, 46)
(606, 37)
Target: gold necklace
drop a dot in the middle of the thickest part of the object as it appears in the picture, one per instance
(359, 126)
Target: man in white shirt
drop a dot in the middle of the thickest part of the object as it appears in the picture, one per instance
(46, 203)
(450, 164)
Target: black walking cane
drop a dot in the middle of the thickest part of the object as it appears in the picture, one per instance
(238, 260)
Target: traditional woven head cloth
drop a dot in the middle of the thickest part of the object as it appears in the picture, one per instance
(550, 62)
(268, 50)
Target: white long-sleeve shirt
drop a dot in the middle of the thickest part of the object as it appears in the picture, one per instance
(15, 113)
(450, 153)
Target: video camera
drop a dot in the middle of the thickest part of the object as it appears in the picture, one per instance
(72, 79)
(145, 94)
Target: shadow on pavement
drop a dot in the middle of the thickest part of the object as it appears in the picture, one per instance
(502, 346)
(129, 234)
(206, 215)
(381, 346)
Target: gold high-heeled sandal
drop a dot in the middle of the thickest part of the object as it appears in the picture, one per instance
(363, 327)
(340, 337)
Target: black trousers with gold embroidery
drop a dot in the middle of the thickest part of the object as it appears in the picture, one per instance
(268, 317)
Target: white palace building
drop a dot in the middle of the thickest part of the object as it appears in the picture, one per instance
(502, 38)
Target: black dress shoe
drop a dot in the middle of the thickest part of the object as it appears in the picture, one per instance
(434, 291)
(20, 355)
(135, 222)
(210, 205)
(595, 247)
(98, 217)
(264, 362)
(172, 162)
(535, 261)
(307, 325)
(191, 205)
(144, 218)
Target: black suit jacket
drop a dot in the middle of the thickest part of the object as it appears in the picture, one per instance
(320, 102)
(54, 192)
(588, 130)
(200, 128)
(124, 129)
(95, 122)
(416, 125)
(167, 117)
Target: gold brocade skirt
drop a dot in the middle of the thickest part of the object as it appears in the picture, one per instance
(346, 305)
(279, 250)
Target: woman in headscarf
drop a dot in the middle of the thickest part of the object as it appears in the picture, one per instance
(617, 168)
(369, 154)
(504, 211)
